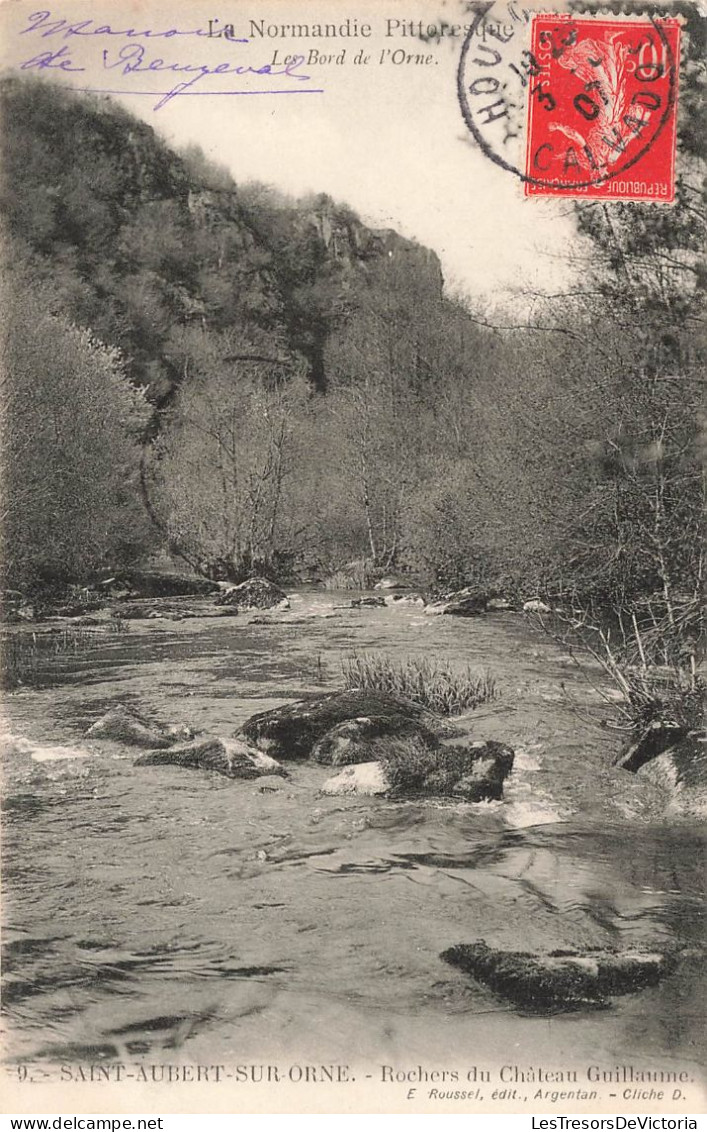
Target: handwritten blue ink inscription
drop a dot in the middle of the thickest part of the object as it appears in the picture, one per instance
(84, 51)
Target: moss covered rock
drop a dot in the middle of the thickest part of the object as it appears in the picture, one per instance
(471, 772)
(561, 980)
(298, 730)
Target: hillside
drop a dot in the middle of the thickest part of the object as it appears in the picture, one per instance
(139, 241)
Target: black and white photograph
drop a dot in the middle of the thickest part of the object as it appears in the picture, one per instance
(352, 557)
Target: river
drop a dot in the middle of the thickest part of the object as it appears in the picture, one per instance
(177, 916)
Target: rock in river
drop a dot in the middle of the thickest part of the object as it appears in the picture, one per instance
(255, 593)
(561, 980)
(470, 772)
(231, 757)
(675, 758)
(293, 731)
(126, 726)
(405, 768)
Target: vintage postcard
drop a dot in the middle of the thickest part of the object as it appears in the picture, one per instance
(352, 557)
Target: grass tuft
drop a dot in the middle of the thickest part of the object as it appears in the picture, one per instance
(26, 657)
(441, 687)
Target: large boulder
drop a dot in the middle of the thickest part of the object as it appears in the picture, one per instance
(255, 593)
(470, 772)
(293, 731)
(231, 757)
(126, 725)
(468, 602)
(560, 980)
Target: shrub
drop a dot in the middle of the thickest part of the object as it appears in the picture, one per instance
(439, 686)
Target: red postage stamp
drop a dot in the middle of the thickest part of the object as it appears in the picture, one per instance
(602, 108)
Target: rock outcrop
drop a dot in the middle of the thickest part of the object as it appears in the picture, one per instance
(561, 980)
(255, 593)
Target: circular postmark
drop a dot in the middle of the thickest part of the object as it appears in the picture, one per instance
(572, 102)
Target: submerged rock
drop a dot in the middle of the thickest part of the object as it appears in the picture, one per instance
(125, 725)
(255, 593)
(357, 602)
(560, 980)
(227, 756)
(293, 731)
(156, 608)
(366, 779)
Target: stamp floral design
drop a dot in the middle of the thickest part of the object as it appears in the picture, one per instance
(602, 108)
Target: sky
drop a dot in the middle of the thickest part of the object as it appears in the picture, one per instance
(386, 137)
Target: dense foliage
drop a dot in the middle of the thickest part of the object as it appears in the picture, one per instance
(273, 383)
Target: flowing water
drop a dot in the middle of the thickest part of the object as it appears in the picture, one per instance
(175, 915)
